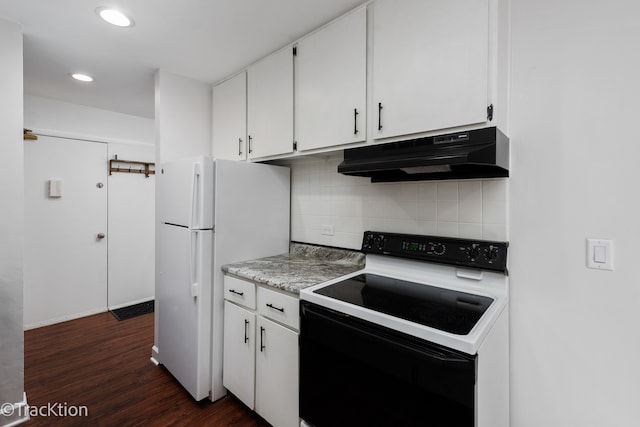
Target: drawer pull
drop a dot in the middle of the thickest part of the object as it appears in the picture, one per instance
(275, 308)
(233, 291)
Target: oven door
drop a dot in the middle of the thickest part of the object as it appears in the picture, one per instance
(356, 373)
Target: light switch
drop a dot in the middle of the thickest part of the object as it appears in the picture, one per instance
(55, 188)
(600, 254)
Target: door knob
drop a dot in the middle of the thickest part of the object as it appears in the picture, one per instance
(100, 236)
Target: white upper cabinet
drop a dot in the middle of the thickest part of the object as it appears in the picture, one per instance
(430, 60)
(270, 105)
(230, 118)
(331, 84)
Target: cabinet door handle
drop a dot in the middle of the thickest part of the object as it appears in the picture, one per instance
(239, 146)
(355, 121)
(233, 291)
(280, 309)
(379, 115)
(262, 347)
(250, 148)
(246, 337)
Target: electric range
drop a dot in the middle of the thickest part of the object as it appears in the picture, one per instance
(446, 290)
(422, 329)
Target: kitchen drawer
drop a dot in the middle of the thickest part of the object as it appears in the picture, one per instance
(279, 307)
(240, 291)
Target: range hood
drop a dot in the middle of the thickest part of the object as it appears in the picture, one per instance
(479, 153)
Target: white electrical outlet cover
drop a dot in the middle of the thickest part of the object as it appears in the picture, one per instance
(328, 230)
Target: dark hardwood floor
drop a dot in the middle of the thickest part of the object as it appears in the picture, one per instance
(103, 364)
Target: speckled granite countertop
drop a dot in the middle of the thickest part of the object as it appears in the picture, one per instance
(304, 266)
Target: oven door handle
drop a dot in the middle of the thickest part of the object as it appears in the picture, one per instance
(435, 356)
(430, 352)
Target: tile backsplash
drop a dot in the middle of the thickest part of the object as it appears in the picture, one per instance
(320, 196)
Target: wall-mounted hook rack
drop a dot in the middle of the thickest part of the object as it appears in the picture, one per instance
(131, 166)
(28, 135)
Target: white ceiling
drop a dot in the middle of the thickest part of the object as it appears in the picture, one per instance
(202, 39)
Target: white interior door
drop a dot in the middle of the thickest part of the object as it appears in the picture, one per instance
(65, 247)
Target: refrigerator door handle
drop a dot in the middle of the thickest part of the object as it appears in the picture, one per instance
(194, 206)
(193, 246)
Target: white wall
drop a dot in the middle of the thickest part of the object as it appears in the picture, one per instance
(130, 209)
(321, 196)
(51, 116)
(131, 230)
(183, 129)
(11, 218)
(183, 117)
(575, 147)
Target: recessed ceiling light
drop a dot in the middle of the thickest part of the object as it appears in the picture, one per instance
(82, 77)
(114, 17)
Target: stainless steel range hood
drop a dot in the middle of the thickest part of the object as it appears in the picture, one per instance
(479, 153)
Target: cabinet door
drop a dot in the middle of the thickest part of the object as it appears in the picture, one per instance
(430, 61)
(331, 84)
(239, 352)
(270, 105)
(277, 374)
(230, 118)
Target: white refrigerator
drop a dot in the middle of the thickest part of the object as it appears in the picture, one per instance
(212, 212)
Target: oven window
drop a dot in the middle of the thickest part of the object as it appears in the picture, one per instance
(443, 309)
(354, 373)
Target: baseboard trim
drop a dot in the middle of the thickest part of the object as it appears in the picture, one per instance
(64, 318)
(15, 413)
(155, 359)
(127, 304)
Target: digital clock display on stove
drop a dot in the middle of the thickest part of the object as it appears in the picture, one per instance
(413, 246)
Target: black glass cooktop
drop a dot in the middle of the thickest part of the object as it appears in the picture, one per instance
(444, 309)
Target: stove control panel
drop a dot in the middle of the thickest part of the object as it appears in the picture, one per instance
(480, 254)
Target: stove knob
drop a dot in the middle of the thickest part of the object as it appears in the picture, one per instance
(491, 253)
(380, 242)
(439, 249)
(473, 252)
(368, 241)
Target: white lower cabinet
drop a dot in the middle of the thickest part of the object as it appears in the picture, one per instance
(261, 355)
(239, 352)
(277, 373)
